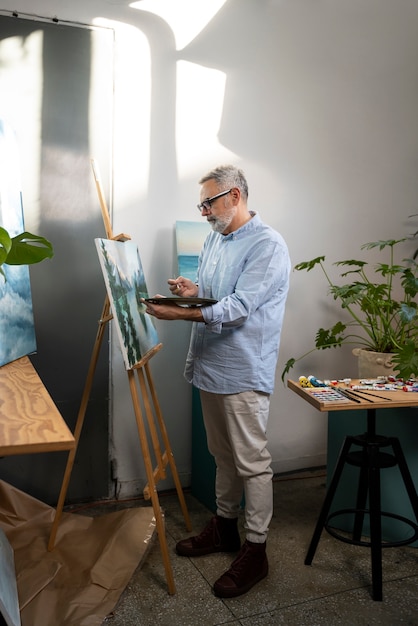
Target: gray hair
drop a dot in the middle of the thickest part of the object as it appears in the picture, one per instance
(227, 176)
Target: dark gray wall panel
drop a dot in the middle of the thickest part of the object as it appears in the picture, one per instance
(68, 291)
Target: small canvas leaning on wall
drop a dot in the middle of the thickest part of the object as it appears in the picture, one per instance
(190, 237)
(17, 331)
(125, 283)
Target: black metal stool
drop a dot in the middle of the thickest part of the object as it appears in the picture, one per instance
(370, 459)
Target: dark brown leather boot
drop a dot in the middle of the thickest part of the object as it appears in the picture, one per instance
(249, 568)
(219, 535)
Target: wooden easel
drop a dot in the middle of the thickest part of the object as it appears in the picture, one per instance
(143, 397)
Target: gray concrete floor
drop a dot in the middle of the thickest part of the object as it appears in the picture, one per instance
(334, 590)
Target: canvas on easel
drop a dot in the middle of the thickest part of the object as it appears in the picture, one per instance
(125, 284)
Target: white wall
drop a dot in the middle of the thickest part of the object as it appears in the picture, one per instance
(317, 102)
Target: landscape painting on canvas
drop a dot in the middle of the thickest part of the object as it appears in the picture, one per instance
(190, 237)
(125, 283)
(17, 331)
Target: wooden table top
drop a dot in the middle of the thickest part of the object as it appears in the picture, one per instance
(29, 419)
(325, 400)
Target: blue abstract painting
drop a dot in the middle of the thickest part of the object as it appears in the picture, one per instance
(125, 283)
(17, 331)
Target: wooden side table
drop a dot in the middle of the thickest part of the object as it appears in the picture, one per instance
(369, 452)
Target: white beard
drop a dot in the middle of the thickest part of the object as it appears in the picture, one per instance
(220, 224)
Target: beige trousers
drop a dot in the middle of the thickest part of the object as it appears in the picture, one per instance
(236, 434)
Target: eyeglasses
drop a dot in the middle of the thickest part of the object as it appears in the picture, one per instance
(207, 204)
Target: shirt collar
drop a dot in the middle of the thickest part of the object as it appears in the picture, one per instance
(250, 225)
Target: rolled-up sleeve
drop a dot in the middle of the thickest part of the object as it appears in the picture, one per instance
(213, 317)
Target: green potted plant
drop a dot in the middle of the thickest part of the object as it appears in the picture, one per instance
(23, 249)
(380, 303)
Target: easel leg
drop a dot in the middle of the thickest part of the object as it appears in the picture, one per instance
(150, 475)
(167, 446)
(79, 423)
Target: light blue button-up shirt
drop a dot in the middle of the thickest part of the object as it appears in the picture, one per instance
(247, 272)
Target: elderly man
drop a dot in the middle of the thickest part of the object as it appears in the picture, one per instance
(244, 265)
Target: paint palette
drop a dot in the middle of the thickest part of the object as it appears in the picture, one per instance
(326, 394)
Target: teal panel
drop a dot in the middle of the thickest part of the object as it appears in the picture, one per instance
(400, 423)
(203, 463)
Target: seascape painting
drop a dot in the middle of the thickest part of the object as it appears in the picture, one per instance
(17, 331)
(125, 283)
(190, 237)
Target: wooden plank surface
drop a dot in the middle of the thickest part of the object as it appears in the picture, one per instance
(387, 400)
(29, 420)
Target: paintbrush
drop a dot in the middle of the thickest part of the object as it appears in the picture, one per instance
(359, 394)
(347, 394)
